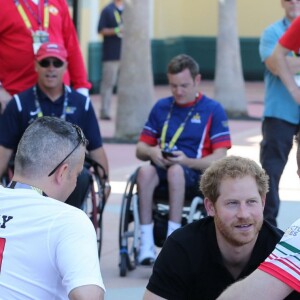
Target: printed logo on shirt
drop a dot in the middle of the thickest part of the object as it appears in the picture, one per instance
(70, 110)
(4, 220)
(34, 113)
(292, 231)
(53, 10)
(196, 118)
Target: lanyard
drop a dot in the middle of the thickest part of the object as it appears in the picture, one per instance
(38, 106)
(117, 17)
(20, 185)
(179, 129)
(36, 16)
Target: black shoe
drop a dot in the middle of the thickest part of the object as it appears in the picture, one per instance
(107, 118)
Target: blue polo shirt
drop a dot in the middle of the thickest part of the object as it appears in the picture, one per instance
(206, 129)
(21, 111)
(278, 101)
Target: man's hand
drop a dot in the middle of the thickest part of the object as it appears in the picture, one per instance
(157, 158)
(178, 158)
(4, 98)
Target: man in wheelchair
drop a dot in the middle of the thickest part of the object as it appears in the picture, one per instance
(50, 97)
(183, 135)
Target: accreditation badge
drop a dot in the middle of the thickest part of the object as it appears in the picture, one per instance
(39, 37)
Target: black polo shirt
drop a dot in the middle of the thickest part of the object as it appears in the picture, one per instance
(190, 264)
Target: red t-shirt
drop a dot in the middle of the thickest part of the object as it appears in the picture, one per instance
(16, 52)
(291, 38)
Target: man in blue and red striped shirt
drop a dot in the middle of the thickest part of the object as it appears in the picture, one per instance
(183, 135)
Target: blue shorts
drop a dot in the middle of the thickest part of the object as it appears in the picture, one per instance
(191, 176)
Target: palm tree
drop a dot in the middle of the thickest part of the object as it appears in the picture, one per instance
(229, 81)
(135, 86)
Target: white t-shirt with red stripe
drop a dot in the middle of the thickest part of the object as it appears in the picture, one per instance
(47, 247)
(284, 262)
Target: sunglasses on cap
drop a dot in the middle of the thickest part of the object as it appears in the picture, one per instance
(81, 140)
(56, 63)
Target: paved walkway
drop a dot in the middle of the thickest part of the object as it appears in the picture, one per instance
(245, 136)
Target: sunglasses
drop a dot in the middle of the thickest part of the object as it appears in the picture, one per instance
(56, 63)
(81, 140)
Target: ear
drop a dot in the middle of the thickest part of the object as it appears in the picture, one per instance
(61, 173)
(198, 79)
(209, 206)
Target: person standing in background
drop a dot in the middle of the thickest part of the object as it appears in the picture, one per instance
(111, 28)
(281, 114)
(24, 26)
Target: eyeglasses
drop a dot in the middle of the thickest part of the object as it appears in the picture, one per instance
(56, 63)
(81, 140)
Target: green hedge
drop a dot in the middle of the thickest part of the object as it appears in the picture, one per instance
(203, 49)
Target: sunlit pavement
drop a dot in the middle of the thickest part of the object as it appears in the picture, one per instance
(246, 136)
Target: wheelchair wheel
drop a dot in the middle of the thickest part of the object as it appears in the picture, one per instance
(128, 234)
(93, 206)
(123, 264)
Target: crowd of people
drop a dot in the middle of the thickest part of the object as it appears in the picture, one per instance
(48, 124)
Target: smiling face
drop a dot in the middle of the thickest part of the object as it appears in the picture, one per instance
(238, 211)
(51, 76)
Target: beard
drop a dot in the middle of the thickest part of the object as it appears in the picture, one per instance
(235, 236)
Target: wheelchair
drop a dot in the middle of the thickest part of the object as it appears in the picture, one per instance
(95, 194)
(95, 197)
(129, 220)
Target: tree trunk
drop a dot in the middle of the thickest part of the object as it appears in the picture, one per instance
(229, 81)
(135, 86)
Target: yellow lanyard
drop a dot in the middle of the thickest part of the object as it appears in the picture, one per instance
(117, 17)
(179, 129)
(26, 19)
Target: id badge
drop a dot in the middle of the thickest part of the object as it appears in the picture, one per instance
(39, 37)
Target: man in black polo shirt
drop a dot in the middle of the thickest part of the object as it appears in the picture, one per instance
(200, 260)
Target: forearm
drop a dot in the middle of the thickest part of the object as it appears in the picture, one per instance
(144, 151)
(283, 68)
(258, 285)
(109, 31)
(4, 98)
(100, 157)
(293, 64)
